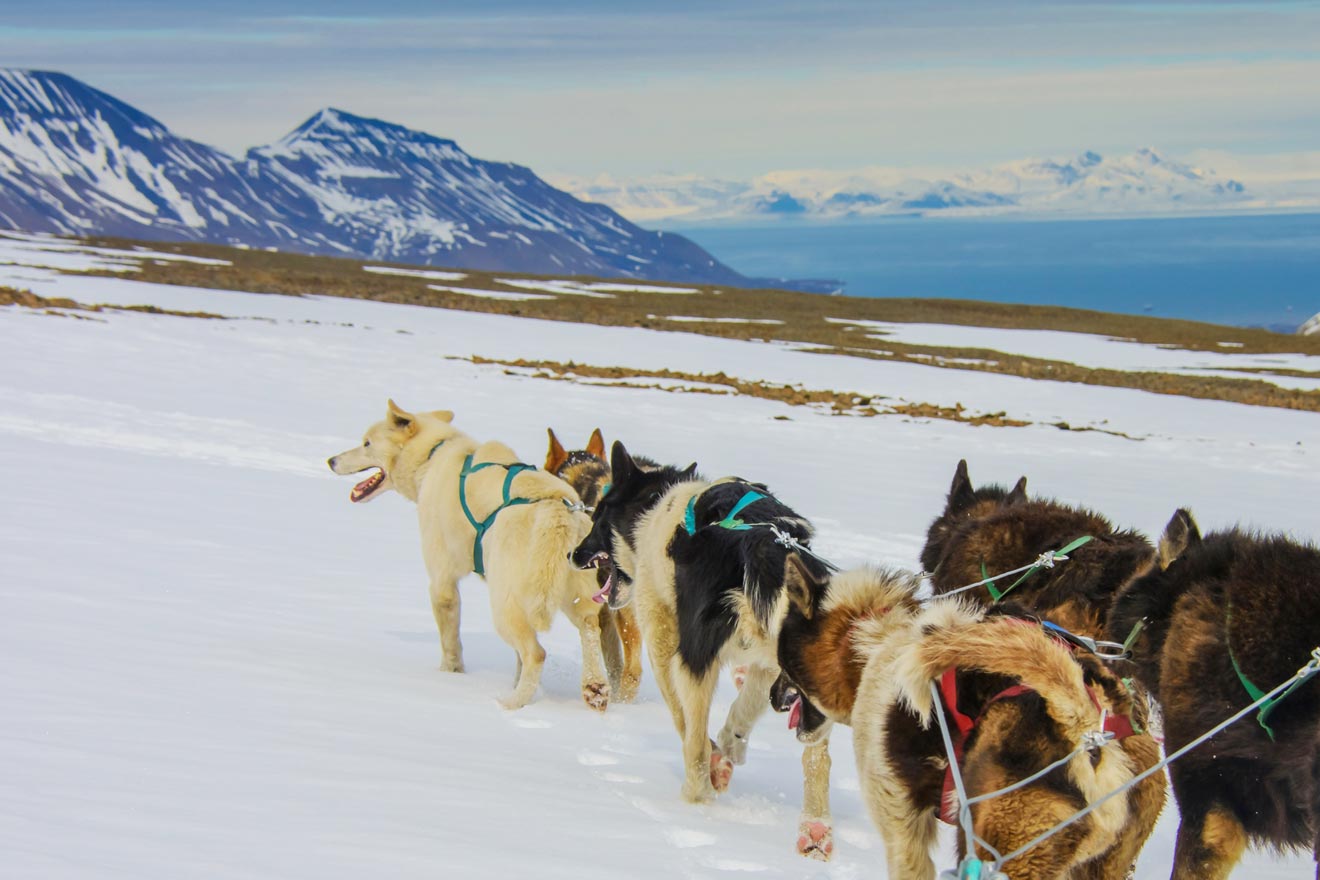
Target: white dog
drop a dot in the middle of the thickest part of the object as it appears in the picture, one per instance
(480, 509)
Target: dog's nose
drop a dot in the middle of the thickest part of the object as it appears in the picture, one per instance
(331, 461)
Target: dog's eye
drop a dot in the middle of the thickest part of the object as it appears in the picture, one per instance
(366, 442)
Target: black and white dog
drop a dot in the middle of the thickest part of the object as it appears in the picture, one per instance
(705, 563)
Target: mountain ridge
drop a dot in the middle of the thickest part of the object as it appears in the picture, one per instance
(1142, 183)
(77, 161)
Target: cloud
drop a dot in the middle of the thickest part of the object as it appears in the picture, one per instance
(730, 88)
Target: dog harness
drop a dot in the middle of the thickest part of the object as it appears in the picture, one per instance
(482, 526)
(730, 520)
(1119, 725)
(1252, 690)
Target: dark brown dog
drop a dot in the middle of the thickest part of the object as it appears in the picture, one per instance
(989, 530)
(587, 471)
(1213, 601)
(866, 654)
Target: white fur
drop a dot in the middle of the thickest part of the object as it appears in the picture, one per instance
(525, 551)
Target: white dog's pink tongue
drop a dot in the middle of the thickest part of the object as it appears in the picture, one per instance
(795, 714)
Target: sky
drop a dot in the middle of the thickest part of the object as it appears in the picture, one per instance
(725, 89)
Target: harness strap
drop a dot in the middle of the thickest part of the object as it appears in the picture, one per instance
(481, 526)
(1119, 725)
(1252, 690)
(965, 725)
(433, 449)
(730, 520)
(1047, 561)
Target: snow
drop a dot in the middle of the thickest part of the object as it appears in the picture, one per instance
(488, 294)
(691, 319)
(1311, 326)
(216, 666)
(1099, 352)
(49, 252)
(431, 274)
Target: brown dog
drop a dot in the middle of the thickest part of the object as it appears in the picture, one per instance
(587, 471)
(989, 530)
(1219, 612)
(867, 654)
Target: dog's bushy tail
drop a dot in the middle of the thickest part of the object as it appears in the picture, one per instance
(952, 634)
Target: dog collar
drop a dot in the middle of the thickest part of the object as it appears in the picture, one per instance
(433, 449)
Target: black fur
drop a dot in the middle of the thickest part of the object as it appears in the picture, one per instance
(715, 563)
(1260, 597)
(712, 565)
(635, 487)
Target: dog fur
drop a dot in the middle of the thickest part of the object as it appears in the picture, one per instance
(993, 530)
(420, 455)
(704, 600)
(865, 655)
(587, 471)
(1258, 597)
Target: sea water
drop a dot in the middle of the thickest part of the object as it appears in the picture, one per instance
(1245, 270)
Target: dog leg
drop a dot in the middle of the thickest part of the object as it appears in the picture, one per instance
(1210, 842)
(751, 702)
(907, 826)
(595, 686)
(630, 636)
(512, 626)
(445, 606)
(815, 831)
(662, 646)
(611, 646)
(695, 694)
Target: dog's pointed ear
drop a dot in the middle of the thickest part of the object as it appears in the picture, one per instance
(444, 415)
(1179, 534)
(689, 472)
(555, 456)
(1018, 495)
(400, 417)
(801, 585)
(622, 465)
(596, 445)
(961, 493)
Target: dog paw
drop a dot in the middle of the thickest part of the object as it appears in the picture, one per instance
(513, 701)
(596, 695)
(628, 687)
(699, 792)
(815, 840)
(451, 666)
(721, 769)
(739, 676)
(733, 747)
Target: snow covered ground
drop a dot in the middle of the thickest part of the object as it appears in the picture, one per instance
(1101, 352)
(215, 666)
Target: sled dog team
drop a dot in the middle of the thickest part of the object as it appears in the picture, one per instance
(709, 574)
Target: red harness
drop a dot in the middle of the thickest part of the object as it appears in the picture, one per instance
(1119, 725)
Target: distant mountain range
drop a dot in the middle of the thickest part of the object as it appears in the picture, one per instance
(77, 161)
(1142, 183)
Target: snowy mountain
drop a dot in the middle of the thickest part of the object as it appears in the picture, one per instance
(1311, 327)
(74, 160)
(1141, 183)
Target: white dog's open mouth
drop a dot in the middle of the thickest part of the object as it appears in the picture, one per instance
(365, 489)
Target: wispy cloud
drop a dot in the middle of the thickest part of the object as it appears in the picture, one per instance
(730, 88)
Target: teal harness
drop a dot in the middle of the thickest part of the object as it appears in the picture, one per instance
(730, 521)
(482, 526)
